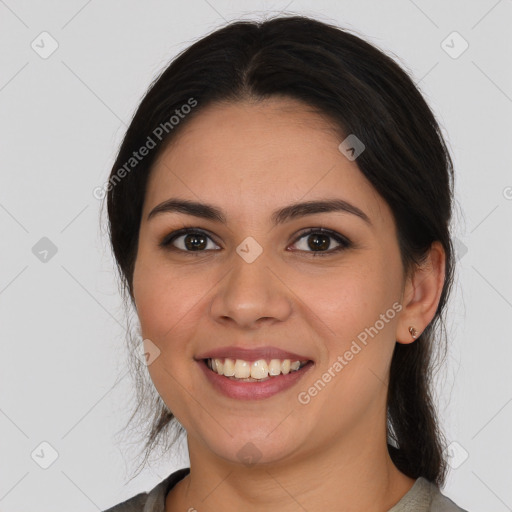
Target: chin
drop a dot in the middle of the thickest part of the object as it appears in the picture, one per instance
(257, 448)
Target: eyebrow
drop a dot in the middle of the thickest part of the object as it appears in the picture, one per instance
(280, 216)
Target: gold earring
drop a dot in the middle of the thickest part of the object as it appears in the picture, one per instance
(413, 331)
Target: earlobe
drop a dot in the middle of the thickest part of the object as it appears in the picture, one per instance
(422, 294)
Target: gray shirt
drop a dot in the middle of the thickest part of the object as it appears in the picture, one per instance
(423, 496)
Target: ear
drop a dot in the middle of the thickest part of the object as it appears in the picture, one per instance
(421, 295)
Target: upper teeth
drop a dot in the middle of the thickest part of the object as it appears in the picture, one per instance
(257, 370)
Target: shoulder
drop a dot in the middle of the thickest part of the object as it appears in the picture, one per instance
(135, 504)
(441, 503)
(425, 496)
(154, 500)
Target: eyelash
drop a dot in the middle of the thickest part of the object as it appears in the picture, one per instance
(344, 242)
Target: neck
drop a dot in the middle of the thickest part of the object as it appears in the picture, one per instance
(355, 473)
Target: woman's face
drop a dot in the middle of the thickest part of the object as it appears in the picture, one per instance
(251, 282)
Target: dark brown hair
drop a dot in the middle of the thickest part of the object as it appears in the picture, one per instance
(364, 92)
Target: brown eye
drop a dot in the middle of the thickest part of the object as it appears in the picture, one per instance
(319, 242)
(187, 240)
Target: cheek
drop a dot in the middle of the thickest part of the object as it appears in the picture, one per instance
(165, 299)
(347, 297)
(356, 305)
(355, 312)
(151, 304)
(165, 307)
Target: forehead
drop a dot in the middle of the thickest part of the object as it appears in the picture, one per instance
(249, 155)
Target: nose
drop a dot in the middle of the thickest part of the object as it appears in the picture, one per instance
(251, 294)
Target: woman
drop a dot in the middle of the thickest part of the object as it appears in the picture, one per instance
(279, 212)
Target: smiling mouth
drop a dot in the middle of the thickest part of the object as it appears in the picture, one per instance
(256, 371)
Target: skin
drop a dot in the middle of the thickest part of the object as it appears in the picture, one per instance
(249, 159)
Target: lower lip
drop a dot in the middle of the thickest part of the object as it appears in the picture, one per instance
(253, 390)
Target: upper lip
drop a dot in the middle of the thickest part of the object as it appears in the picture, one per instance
(251, 354)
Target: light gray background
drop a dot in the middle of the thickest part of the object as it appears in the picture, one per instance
(62, 366)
